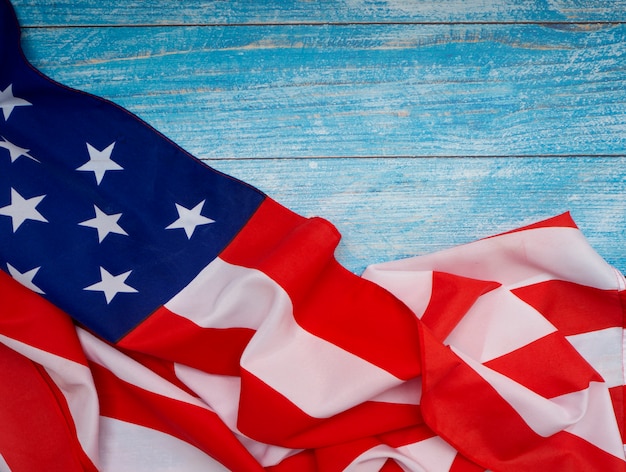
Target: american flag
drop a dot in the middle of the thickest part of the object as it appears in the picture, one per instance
(157, 315)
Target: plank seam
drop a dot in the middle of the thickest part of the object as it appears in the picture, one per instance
(340, 24)
(433, 156)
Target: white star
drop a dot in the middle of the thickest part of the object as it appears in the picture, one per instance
(105, 224)
(22, 209)
(15, 151)
(100, 161)
(189, 219)
(111, 285)
(8, 102)
(25, 278)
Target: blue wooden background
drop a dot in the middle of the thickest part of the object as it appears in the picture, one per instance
(411, 125)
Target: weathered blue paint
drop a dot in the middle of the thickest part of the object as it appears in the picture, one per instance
(460, 129)
(302, 91)
(176, 12)
(388, 207)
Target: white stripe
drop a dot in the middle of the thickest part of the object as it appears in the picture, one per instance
(414, 288)
(130, 370)
(543, 415)
(127, 447)
(598, 425)
(433, 454)
(221, 393)
(603, 350)
(76, 384)
(430, 455)
(266, 454)
(621, 280)
(4, 467)
(408, 393)
(624, 356)
(224, 295)
(535, 279)
(373, 459)
(316, 375)
(549, 253)
(498, 323)
(578, 412)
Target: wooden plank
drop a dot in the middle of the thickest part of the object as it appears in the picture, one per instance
(392, 208)
(327, 91)
(302, 91)
(191, 12)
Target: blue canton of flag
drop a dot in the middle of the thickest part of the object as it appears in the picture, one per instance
(99, 213)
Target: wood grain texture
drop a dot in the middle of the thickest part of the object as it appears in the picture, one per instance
(303, 91)
(191, 12)
(390, 208)
(413, 126)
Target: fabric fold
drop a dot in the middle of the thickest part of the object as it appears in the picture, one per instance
(170, 317)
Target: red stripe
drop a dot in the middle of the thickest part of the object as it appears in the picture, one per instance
(563, 220)
(163, 368)
(573, 308)
(466, 411)
(363, 319)
(622, 299)
(288, 246)
(403, 437)
(197, 426)
(328, 301)
(452, 296)
(549, 366)
(64, 408)
(463, 464)
(36, 428)
(28, 318)
(618, 394)
(171, 337)
(391, 466)
(267, 416)
(304, 461)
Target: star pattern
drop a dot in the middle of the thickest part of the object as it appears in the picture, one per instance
(8, 102)
(100, 162)
(26, 278)
(15, 151)
(111, 285)
(190, 219)
(22, 209)
(104, 224)
(113, 281)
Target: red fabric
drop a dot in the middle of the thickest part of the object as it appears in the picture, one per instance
(329, 302)
(562, 372)
(451, 297)
(462, 421)
(447, 413)
(30, 402)
(198, 426)
(573, 308)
